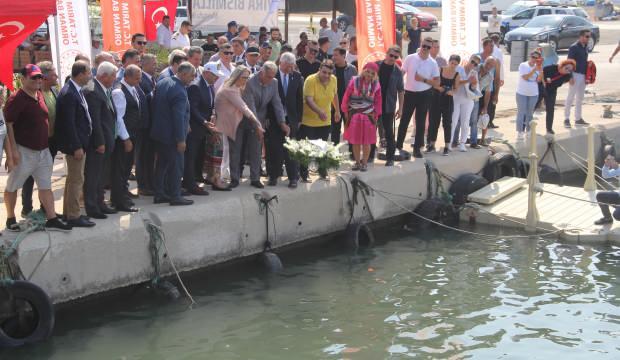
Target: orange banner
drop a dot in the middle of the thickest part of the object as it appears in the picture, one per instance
(120, 19)
(375, 23)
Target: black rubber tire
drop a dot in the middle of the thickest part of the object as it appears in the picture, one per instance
(271, 261)
(465, 185)
(548, 175)
(436, 210)
(359, 235)
(523, 168)
(42, 315)
(499, 165)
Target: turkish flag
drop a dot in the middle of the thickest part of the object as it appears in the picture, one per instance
(16, 23)
(154, 13)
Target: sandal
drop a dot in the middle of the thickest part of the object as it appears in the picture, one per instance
(356, 167)
(364, 167)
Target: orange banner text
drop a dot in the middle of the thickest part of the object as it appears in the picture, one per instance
(120, 19)
(375, 23)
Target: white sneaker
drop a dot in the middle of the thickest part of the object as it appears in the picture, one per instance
(520, 136)
(462, 148)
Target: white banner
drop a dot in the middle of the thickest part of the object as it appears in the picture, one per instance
(460, 28)
(213, 15)
(69, 35)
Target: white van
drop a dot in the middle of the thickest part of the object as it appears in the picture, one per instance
(510, 7)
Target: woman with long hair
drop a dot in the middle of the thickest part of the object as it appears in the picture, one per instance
(443, 105)
(230, 110)
(361, 105)
(554, 77)
(530, 74)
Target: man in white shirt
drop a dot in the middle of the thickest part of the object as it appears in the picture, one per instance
(610, 170)
(499, 56)
(334, 35)
(180, 39)
(224, 65)
(164, 35)
(422, 73)
(494, 22)
(352, 50)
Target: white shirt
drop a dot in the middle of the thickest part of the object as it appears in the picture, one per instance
(84, 103)
(226, 71)
(350, 58)
(118, 96)
(323, 32)
(494, 24)
(334, 39)
(179, 40)
(164, 35)
(527, 87)
(428, 69)
(497, 54)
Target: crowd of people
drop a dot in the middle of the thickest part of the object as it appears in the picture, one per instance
(233, 101)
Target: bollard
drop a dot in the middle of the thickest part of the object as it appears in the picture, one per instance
(534, 145)
(531, 221)
(590, 184)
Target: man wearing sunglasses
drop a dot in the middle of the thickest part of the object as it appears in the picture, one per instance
(422, 74)
(224, 64)
(308, 64)
(392, 86)
(578, 52)
(138, 42)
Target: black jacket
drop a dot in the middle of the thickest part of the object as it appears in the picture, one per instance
(200, 106)
(103, 114)
(293, 102)
(73, 128)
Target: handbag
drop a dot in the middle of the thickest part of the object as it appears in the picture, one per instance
(474, 94)
(483, 121)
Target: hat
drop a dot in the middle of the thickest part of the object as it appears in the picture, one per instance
(213, 68)
(31, 70)
(265, 44)
(232, 23)
(252, 50)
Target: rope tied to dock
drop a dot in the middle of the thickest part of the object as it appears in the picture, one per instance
(264, 208)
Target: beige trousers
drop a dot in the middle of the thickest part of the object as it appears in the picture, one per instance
(73, 187)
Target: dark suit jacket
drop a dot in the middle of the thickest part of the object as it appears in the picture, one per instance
(147, 86)
(293, 102)
(145, 109)
(103, 116)
(200, 106)
(170, 112)
(72, 129)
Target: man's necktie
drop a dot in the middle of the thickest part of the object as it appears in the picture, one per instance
(285, 84)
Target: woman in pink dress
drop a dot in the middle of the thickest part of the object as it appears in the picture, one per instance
(361, 105)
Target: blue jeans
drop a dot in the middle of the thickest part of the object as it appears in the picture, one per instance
(525, 111)
(473, 124)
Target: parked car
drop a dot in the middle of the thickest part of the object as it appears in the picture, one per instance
(180, 17)
(561, 31)
(519, 19)
(420, 3)
(426, 21)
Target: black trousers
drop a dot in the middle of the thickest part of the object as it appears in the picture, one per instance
(541, 95)
(388, 128)
(145, 160)
(276, 155)
(551, 93)
(491, 107)
(199, 160)
(609, 197)
(311, 133)
(120, 167)
(440, 112)
(94, 193)
(28, 186)
(417, 102)
(191, 153)
(336, 127)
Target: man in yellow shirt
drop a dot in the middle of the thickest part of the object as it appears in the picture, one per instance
(320, 94)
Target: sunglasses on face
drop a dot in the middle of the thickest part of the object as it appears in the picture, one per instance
(426, 47)
(475, 63)
(393, 56)
(141, 42)
(228, 53)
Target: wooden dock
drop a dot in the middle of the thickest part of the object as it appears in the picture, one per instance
(505, 203)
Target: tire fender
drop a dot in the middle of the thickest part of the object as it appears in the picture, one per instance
(359, 235)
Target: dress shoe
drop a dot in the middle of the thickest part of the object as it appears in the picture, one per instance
(233, 184)
(417, 154)
(389, 163)
(56, 224)
(292, 184)
(257, 184)
(219, 188)
(145, 192)
(272, 182)
(98, 215)
(107, 210)
(127, 208)
(199, 191)
(181, 202)
(160, 200)
(604, 221)
(80, 222)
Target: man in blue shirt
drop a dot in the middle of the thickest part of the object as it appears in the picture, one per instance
(578, 52)
(610, 170)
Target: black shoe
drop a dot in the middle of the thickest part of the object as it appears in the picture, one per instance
(567, 124)
(389, 163)
(233, 184)
(11, 224)
(181, 202)
(430, 149)
(145, 192)
(417, 154)
(446, 151)
(550, 131)
(126, 208)
(99, 215)
(603, 221)
(581, 122)
(55, 223)
(217, 188)
(272, 182)
(199, 191)
(292, 184)
(474, 146)
(492, 126)
(257, 184)
(80, 222)
(107, 210)
(160, 200)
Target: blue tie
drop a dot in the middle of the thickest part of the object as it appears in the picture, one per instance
(285, 84)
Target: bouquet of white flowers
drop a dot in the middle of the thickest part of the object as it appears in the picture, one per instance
(325, 154)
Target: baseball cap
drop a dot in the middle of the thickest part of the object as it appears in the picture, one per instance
(31, 70)
(265, 44)
(252, 50)
(213, 68)
(232, 23)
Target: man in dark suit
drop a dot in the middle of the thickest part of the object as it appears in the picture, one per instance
(72, 131)
(201, 94)
(291, 87)
(169, 131)
(145, 153)
(98, 94)
(130, 104)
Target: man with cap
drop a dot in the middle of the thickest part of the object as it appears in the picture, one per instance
(265, 53)
(27, 147)
(251, 59)
(201, 95)
(232, 30)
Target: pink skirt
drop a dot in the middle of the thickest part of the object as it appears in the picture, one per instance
(361, 131)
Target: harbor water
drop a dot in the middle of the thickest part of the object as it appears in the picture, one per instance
(428, 295)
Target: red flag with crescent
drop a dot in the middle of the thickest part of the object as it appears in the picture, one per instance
(154, 13)
(16, 24)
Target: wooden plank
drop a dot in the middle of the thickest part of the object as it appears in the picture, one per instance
(497, 190)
